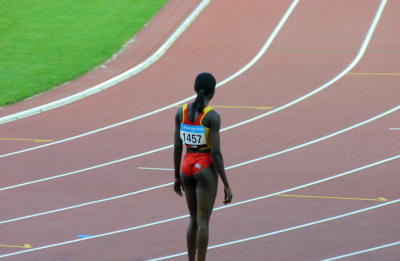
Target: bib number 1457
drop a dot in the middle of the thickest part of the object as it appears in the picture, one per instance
(191, 138)
(193, 135)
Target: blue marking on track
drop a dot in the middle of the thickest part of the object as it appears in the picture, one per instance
(83, 236)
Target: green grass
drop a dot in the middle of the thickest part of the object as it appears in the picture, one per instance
(44, 43)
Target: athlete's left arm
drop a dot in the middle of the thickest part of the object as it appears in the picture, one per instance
(215, 122)
(178, 153)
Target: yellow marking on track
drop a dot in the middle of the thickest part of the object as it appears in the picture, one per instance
(378, 74)
(242, 107)
(23, 246)
(325, 197)
(32, 140)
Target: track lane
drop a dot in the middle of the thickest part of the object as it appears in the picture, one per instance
(140, 142)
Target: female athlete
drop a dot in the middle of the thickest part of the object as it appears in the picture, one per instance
(197, 126)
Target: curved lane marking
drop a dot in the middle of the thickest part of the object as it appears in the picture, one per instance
(171, 183)
(363, 251)
(376, 74)
(380, 199)
(261, 52)
(117, 79)
(232, 205)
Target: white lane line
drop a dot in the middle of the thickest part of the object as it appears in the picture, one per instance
(363, 251)
(162, 169)
(394, 129)
(115, 80)
(230, 167)
(262, 51)
(228, 206)
(285, 229)
(360, 54)
(320, 139)
(86, 169)
(85, 204)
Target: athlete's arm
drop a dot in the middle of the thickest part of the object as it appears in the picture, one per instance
(215, 122)
(178, 153)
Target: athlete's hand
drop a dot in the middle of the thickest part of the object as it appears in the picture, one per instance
(228, 195)
(178, 187)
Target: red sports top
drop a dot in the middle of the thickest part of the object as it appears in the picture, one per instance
(195, 134)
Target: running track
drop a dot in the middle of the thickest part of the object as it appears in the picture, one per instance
(340, 136)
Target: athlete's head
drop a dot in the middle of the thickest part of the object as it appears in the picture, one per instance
(204, 85)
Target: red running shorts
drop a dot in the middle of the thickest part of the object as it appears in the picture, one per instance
(194, 162)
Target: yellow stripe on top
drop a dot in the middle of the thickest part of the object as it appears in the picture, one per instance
(183, 112)
(206, 110)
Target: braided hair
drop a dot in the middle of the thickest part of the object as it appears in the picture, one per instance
(203, 85)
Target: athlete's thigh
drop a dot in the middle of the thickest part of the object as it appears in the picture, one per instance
(189, 185)
(206, 191)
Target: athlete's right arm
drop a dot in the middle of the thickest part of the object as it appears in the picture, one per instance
(215, 121)
(178, 153)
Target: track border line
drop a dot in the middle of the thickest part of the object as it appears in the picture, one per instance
(116, 79)
(362, 251)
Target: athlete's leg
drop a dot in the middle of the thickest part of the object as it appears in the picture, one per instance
(189, 184)
(206, 190)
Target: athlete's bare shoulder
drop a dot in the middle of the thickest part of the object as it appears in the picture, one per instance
(214, 115)
(212, 119)
(179, 115)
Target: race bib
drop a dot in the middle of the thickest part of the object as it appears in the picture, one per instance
(193, 135)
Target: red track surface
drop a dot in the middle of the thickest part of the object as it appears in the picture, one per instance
(318, 41)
